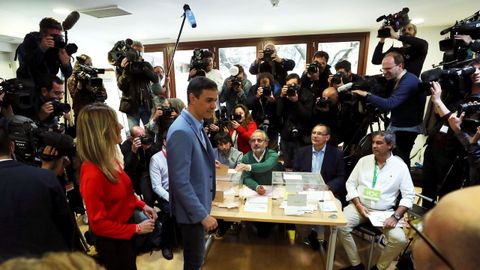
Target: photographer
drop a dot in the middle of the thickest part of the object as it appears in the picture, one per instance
(316, 74)
(206, 67)
(326, 110)
(235, 88)
(241, 127)
(42, 53)
(163, 116)
(134, 78)
(469, 139)
(84, 85)
(414, 50)
(344, 74)
(406, 103)
(49, 107)
(294, 107)
(262, 102)
(268, 61)
(474, 45)
(137, 151)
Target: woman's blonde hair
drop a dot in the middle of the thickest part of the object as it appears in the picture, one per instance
(97, 135)
(53, 261)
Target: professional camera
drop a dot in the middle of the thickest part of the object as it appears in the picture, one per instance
(471, 119)
(123, 49)
(456, 51)
(30, 140)
(18, 94)
(235, 117)
(292, 89)
(339, 78)
(294, 131)
(323, 104)
(236, 82)
(267, 54)
(396, 21)
(265, 125)
(166, 111)
(60, 108)
(146, 140)
(314, 67)
(199, 62)
(88, 76)
(267, 91)
(60, 43)
(451, 79)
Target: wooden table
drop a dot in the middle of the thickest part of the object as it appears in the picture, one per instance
(276, 215)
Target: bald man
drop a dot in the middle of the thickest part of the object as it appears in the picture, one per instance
(453, 227)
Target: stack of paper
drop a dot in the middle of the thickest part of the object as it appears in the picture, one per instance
(377, 218)
(258, 204)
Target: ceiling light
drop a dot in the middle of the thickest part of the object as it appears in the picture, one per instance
(62, 11)
(417, 21)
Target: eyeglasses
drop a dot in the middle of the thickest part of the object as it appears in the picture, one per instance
(387, 69)
(257, 140)
(418, 228)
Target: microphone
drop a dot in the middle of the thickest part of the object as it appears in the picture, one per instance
(446, 30)
(345, 87)
(70, 21)
(189, 15)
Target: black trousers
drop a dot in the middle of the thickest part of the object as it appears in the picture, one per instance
(193, 245)
(116, 254)
(405, 141)
(168, 223)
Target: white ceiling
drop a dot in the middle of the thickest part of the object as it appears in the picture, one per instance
(159, 21)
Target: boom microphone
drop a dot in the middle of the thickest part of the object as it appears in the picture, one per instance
(189, 15)
(70, 21)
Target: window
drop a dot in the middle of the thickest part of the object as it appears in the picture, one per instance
(237, 55)
(338, 51)
(295, 52)
(181, 62)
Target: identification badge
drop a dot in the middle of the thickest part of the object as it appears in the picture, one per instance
(372, 194)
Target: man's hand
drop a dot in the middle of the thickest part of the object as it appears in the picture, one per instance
(259, 92)
(283, 93)
(362, 209)
(360, 92)
(393, 34)
(242, 167)
(465, 38)
(390, 223)
(57, 164)
(260, 190)
(63, 56)
(476, 137)
(229, 83)
(217, 164)
(45, 110)
(214, 127)
(209, 223)
(46, 43)
(455, 122)
(436, 93)
(136, 143)
(124, 62)
(259, 56)
(150, 212)
(192, 72)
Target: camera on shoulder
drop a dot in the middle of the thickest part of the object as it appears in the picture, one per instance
(396, 21)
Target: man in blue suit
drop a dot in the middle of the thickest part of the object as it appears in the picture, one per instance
(191, 170)
(323, 158)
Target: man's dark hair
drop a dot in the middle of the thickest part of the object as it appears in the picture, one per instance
(207, 54)
(222, 138)
(265, 75)
(49, 23)
(319, 54)
(47, 82)
(344, 64)
(4, 137)
(198, 84)
(292, 76)
(397, 58)
(240, 69)
(474, 62)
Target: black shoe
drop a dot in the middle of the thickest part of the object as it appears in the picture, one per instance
(167, 253)
(313, 240)
(356, 267)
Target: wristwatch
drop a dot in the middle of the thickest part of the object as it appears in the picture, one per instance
(396, 216)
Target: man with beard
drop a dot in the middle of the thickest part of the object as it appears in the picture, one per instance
(224, 152)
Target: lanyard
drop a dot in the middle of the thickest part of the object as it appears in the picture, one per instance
(374, 173)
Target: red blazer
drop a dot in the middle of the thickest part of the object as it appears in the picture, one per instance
(109, 205)
(244, 136)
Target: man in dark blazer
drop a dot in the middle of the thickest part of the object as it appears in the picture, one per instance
(34, 215)
(191, 170)
(329, 161)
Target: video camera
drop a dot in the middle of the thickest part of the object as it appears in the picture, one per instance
(88, 76)
(18, 94)
(199, 61)
(456, 51)
(30, 140)
(123, 49)
(61, 43)
(396, 21)
(452, 79)
(471, 120)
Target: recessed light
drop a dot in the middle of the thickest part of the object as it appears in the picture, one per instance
(62, 11)
(418, 20)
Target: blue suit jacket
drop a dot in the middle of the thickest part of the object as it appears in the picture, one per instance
(191, 171)
(333, 168)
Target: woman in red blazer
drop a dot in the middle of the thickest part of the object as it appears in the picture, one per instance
(241, 128)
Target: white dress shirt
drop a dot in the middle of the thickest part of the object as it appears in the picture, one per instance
(159, 174)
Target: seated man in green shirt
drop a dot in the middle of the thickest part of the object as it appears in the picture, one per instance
(258, 164)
